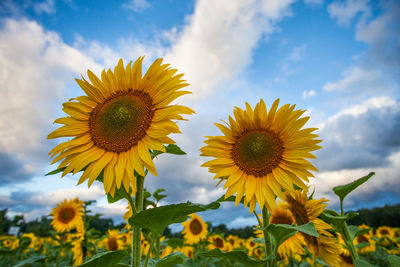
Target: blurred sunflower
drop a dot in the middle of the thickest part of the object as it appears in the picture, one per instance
(306, 210)
(67, 215)
(385, 231)
(345, 258)
(368, 244)
(262, 153)
(77, 250)
(194, 230)
(120, 118)
(112, 241)
(217, 241)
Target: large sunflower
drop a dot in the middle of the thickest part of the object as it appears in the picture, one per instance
(262, 153)
(67, 215)
(194, 230)
(120, 118)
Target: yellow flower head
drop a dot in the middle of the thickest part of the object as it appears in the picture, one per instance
(120, 118)
(194, 230)
(306, 210)
(67, 215)
(260, 153)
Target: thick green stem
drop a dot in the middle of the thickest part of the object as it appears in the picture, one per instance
(267, 236)
(138, 231)
(157, 248)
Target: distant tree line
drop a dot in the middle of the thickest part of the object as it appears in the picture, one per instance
(388, 215)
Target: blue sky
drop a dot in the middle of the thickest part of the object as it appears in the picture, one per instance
(337, 59)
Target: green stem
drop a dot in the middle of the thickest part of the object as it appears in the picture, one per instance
(138, 231)
(150, 249)
(341, 207)
(349, 242)
(157, 248)
(267, 237)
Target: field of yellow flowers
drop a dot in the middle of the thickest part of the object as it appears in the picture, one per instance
(122, 123)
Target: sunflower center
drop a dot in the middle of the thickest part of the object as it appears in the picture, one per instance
(298, 210)
(346, 258)
(195, 227)
(219, 243)
(121, 121)
(66, 215)
(362, 238)
(384, 232)
(257, 152)
(281, 219)
(112, 243)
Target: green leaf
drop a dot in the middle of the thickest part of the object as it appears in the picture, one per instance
(171, 260)
(55, 171)
(229, 199)
(343, 190)
(234, 256)
(175, 242)
(174, 149)
(158, 218)
(106, 258)
(394, 260)
(281, 232)
(30, 260)
(355, 231)
(362, 263)
(171, 149)
(157, 195)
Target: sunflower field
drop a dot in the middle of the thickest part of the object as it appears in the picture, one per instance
(117, 129)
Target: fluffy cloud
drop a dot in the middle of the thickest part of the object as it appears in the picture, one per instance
(364, 135)
(217, 42)
(308, 93)
(34, 77)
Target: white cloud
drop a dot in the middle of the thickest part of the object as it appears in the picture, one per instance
(36, 67)
(217, 42)
(344, 12)
(308, 93)
(360, 80)
(137, 5)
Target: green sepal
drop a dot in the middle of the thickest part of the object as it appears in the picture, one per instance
(55, 171)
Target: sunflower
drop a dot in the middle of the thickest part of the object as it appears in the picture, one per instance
(306, 210)
(67, 216)
(112, 241)
(194, 230)
(385, 231)
(368, 244)
(188, 251)
(345, 258)
(120, 118)
(217, 241)
(262, 153)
